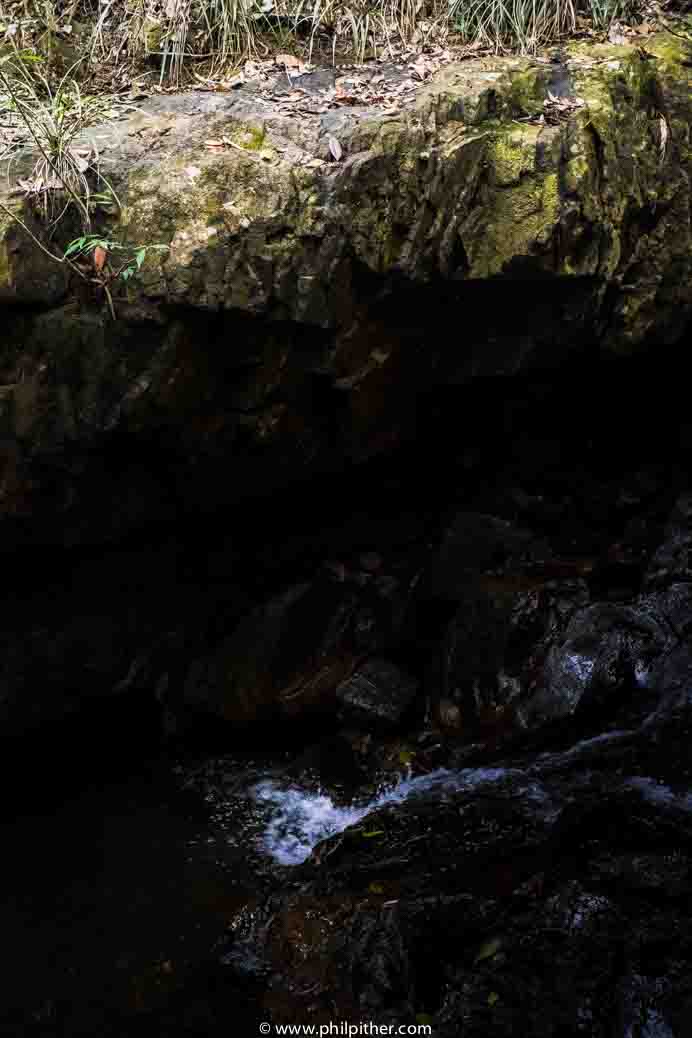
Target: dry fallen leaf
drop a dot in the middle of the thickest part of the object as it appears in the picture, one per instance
(100, 257)
(81, 158)
(419, 69)
(336, 150)
(663, 124)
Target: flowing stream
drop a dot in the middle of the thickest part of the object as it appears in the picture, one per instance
(300, 819)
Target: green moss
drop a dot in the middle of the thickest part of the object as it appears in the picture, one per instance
(526, 92)
(513, 154)
(247, 226)
(521, 221)
(669, 49)
(252, 138)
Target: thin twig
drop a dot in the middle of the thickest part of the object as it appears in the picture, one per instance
(110, 301)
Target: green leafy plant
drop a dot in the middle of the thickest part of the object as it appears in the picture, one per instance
(65, 169)
(96, 244)
(100, 249)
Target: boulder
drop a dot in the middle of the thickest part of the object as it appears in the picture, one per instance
(289, 655)
(474, 543)
(492, 655)
(377, 694)
(605, 654)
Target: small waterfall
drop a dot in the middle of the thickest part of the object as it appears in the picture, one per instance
(301, 819)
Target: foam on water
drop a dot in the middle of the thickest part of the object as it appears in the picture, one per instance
(301, 819)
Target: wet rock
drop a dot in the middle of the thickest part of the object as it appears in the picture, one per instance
(546, 979)
(644, 1007)
(671, 608)
(493, 652)
(451, 827)
(475, 543)
(668, 728)
(378, 694)
(382, 905)
(636, 811)
(666, 872)
(605, 655)
(672, 562)
(488, 906)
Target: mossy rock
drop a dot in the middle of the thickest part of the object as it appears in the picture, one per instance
(292, 264)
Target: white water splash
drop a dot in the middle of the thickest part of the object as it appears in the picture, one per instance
(303, 819)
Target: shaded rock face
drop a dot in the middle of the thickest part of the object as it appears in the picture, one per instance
(483, 665)
(534, 657)
(303, 305)
(605, 653)
(475, 543)
(377, 694)
(461, 591)
(301, 649)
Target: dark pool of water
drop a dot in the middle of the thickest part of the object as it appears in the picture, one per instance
(118, 878)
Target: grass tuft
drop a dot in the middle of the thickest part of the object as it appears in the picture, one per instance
(54, 118)
(169, 36)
